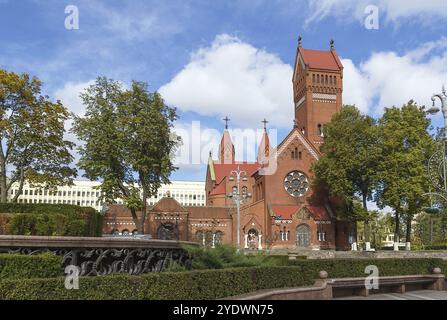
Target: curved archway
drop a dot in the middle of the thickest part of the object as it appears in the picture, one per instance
(125, 232)
(252, 239)
(167, 231)
(303, 236)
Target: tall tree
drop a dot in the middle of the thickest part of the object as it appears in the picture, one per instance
(32, 147)
(406, 148)
(128, 142)
(349, 162)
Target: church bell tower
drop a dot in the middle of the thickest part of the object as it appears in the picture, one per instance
(317, 90)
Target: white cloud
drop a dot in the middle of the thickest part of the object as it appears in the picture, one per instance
(69, 95)
(392, 10)
(234, 78)
(388, 78)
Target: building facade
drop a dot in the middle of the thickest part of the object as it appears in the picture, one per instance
(279, 207)
(86, 193)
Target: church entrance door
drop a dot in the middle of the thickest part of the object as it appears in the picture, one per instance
(303, 236)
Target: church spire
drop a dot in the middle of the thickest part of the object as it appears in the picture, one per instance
(264, 146)
(226, 147)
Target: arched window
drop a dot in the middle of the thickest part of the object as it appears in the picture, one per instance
(320, 130)
(318, 78)
(218, 236)
(234, 190)
(303, 236)
(326, 82)
(313, 78)
(244, 191)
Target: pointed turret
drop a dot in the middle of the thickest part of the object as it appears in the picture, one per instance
(226, 147)
(264, 146)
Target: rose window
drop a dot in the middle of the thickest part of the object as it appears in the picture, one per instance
(296, 184)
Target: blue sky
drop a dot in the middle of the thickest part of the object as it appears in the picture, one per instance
(213, 58)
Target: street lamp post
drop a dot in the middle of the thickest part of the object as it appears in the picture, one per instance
(238, 199)
(437, 163)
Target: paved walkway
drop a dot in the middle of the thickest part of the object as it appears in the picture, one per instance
(411, 295)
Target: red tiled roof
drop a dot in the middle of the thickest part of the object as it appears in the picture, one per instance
(285, 212)
(317, 59)
(319, 213)
(168, 205)
(223, 170)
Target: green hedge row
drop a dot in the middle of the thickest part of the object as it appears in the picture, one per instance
(68, 209)
(192, 285)
(436, 247)
(205, 284)
(16, 266)
(50, 220)
(344, 268)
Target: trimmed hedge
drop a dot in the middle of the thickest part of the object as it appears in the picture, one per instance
(345, 268)
(50, 220)
(193, 285)
(436, 247)
(208, 284)
(16, 266)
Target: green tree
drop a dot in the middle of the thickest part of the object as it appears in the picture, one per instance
(32, 131)
(406, 148)
(128, 142)
(349, 162)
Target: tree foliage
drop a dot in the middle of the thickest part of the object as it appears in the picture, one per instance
(406, 147)
(128, 142)
(349, 162)
(32, 131)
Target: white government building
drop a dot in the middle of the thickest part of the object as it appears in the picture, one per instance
(84, 193)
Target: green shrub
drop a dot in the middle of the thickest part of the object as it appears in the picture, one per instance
(23, 224)
(206, 284)
(52, 220)
(193, 285)
(24, 266)
(223, 256)
(436, 246)
(344, 268)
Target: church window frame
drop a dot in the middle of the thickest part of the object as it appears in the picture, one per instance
(296, 184)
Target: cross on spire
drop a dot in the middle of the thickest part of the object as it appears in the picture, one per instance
(226, 119)
(300, 41)
(265, 124)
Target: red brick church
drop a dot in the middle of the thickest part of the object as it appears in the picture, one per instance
(278, 207)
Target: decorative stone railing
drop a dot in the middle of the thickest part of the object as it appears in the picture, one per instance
(102, 256)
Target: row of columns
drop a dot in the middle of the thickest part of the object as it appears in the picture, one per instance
(213, 243)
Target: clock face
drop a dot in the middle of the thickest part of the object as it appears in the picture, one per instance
(296, 184)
